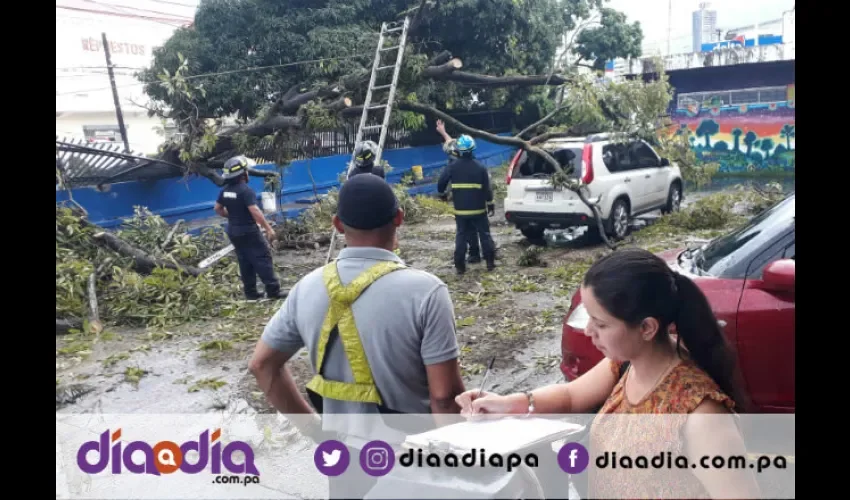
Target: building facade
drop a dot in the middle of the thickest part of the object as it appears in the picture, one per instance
(85, 108)
(704, 27)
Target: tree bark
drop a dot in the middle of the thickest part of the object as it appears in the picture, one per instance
(443, 70)
(144, 263)
(441, 58)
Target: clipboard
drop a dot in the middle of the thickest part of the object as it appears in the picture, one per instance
(498, 436)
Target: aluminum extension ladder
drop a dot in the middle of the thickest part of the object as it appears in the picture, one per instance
(387, 31)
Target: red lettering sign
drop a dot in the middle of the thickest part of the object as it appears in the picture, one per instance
(91, 44)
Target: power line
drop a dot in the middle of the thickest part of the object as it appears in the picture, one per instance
(229, 72)
(123, 7)
(169, 21)
(131, 16)
(195, 6)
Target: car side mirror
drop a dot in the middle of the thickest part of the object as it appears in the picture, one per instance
(664, 162)
(778, 276)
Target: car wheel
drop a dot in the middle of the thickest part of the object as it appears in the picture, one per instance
(674, 199)
(534, 234)
(618, 223)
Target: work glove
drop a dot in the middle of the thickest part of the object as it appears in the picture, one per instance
(491, 209)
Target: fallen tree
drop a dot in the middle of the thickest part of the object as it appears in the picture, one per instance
(142, 261)
(233, 73)
(130, 277)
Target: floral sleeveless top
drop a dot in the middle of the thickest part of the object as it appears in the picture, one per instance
(677, 394)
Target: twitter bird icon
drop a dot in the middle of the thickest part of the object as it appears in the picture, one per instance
(331, 458)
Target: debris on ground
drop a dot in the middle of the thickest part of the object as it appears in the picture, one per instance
(170, 337)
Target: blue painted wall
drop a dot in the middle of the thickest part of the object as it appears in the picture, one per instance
(193, 198)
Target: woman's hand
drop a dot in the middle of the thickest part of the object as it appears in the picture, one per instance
(476, 404)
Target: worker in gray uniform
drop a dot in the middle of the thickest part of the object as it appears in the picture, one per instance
(381, 335)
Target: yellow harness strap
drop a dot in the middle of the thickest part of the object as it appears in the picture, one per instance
(341, 317)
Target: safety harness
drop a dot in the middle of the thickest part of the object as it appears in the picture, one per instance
(340, 321)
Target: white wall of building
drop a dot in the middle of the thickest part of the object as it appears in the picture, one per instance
(83, 92)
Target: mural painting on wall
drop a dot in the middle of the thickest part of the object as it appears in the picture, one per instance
(746, 138)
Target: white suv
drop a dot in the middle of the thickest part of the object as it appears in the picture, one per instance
(627, 177)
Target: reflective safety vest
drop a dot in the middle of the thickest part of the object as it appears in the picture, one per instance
(467, 186)
(340, 320)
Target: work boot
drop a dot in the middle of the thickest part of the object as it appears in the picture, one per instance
(460, 271)
(491, 264)
(473, 259)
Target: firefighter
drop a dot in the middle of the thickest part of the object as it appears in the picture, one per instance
(450, 148)
(472, 197)
(366, 360)
(237, 202)
(364, 160)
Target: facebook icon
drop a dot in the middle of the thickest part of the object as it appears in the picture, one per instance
(573, 458)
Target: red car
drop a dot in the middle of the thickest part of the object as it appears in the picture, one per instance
(748, 277)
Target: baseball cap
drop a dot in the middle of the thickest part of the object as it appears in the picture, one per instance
(366, 202)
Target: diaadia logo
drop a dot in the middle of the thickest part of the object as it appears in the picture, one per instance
(165, 457)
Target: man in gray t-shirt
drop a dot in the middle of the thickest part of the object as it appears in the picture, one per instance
(404, 321)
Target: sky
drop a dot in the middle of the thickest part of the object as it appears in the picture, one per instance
(652, 15)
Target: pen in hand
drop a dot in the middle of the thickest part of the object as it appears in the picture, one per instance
(486, 373)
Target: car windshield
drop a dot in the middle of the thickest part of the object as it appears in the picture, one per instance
(723, 256)
(532, 165)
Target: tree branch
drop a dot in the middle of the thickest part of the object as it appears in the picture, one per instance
(510, 141)
(143, 262)
(440, 59)
(541, 121)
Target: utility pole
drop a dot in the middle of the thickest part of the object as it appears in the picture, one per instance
(121, 128)
(669, 23)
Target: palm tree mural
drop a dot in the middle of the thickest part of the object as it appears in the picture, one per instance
(749, 140)
(766, 146)
(707, 129)
(787, 133)
(736, 136)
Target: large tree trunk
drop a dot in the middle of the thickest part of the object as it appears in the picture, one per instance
(144, 263)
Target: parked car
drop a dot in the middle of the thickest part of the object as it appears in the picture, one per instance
(628, 177)
(748, 277)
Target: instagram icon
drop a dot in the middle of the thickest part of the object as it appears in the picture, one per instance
(377, 458)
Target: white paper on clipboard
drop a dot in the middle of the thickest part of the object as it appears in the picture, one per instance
(504, 435)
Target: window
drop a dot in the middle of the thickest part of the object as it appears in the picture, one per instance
(102, 133)
(534, 166)
(774, 253)
(622, 157)
(644, 156)
(734, 255)
(789, 252)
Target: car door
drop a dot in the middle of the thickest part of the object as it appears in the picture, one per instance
(620, 162)
(766, 334)
(651, 175)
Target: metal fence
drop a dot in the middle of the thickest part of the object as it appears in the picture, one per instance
(340, 141)
(739, 97)
(83, 163)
